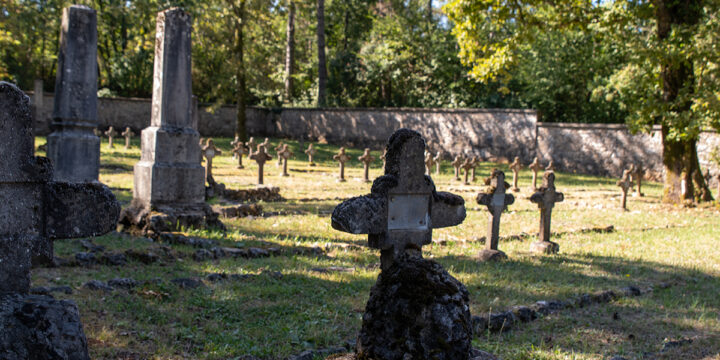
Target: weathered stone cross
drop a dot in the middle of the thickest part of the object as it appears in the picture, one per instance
(535, 167)
(366, 159)
(637, 173)
(496, 201)
(238, 151)
(250, 146)
(111, 133)
(467, 165)
(403, 206)
(209, 152)
(437, 159)
(310, 151)
(457, 163)
(341, 158)
(515, 166)
(260, 156)
(285, 154)
(546, 197)
(625, 184)
(475, 163)
(279, 149)
(233, 145)
(128, 133)
(429, 162)
(266, 143)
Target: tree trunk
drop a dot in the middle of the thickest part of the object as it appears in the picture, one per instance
(239, 10)
(290, 52)
(322, 67)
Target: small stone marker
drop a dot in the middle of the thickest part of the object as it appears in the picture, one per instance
(285, 154)
(238, 151)
(278, 150)
(457, 163)
(437, 159)
(550, 166)
(429, 162)
(266, 143)
(496, 201)
(625, 184)
(467, 165)
(341, 158)
(111, 133)
(475, 163)
(535, 167)
(260, 156)
(310, 151)
(546, 197)
(128, 133)
(209, 152)
(250, 145)
(366, 159)
(637, 172)
(233, 145)
(515, 166)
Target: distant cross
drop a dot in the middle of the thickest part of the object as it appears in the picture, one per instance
(403, 207)
(250, 146)
(285, 154)
(625, 184)
(238, 151)
(128, 135)
(475, 163)
(341, 158)
(111, 133)
(278, 149)
(310, 151)
(429, 162)
(637, 173)
(260, 156)
(467, 165)
(516, 166)
(535, 167)
(496, 201)
(209, 152)
(266, 143)
(366, 159)
(437, 159)
(546, 197)
(550, 167)
(457, 163)
(233, 145)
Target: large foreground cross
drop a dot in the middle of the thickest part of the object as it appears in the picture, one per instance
(403, 206)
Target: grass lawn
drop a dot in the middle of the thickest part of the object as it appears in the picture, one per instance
(274, 317)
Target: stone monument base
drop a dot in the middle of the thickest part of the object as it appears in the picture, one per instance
(544, 247)
(168, 218)
(491, 255)
(416, 310)
(40, 327)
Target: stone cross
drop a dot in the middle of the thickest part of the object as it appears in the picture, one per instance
(515, 166)
(209, 152)
(278, 149)
(546, 197)
(341, 158)
(535, 167)
(403, 206)
(233, 144)
(637, 172)
(34, 210)
(366, 159)
(429, 162)
(467, 165)
(310, 151)
(250, 146)
(285, 154)
(475, 163)
(266, 143)
(496, 201)
(128, 133)
(71, 146)
(111, 133)
(437, 159)
(238, 151)
(550, 166)
(625, 184)
(457, 163)
(260, 156)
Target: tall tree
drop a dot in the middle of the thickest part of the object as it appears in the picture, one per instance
(322, 62)
(290, 51)
(238, 9)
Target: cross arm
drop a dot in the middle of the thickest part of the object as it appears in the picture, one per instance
(78, 210)
(447, 210)
(361, 215)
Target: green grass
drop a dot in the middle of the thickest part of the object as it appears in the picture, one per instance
(273, 318)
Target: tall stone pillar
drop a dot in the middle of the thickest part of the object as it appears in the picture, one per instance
(169, 187)
(72, 146)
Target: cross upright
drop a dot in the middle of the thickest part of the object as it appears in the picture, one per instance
(209, 152)
(279, 149)
(429, 162)
(545, 198)
(550, 166)
(457, 163)
(266, 143)
(637, 173)
(310, 151)
(238, 151)
(128, 133)
(515, 166)
(496, 201)
(437, 159)
(467, 165)
(403, 206)
(366, 159)
(341, 158)
(260, 156)
(285, 154)
(250, 146)
(625, 184)
(233, 143)
(475, 163)
(535, 167)
(111, 133)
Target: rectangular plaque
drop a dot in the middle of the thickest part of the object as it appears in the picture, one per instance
(408, 212)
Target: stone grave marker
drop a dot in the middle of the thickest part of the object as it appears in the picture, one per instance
(111, 133)
(625, 185)
(250, 146)
(516, 166)
(310, 151)
(475, 164)
(429, 163)
(278, 150)
(637, 173)
(233, 145)
(457, 163)
(545, 198)
(285, 153)
(496, 201)
(341, 158)
(467, 165)
(438, 160)
(416, 309)
(128, 133)
(209, 153)
(72, 146)
(366, 159)
(266, 143)
(260, 156)
(535, 167)
(34, 211)
(238, 151)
